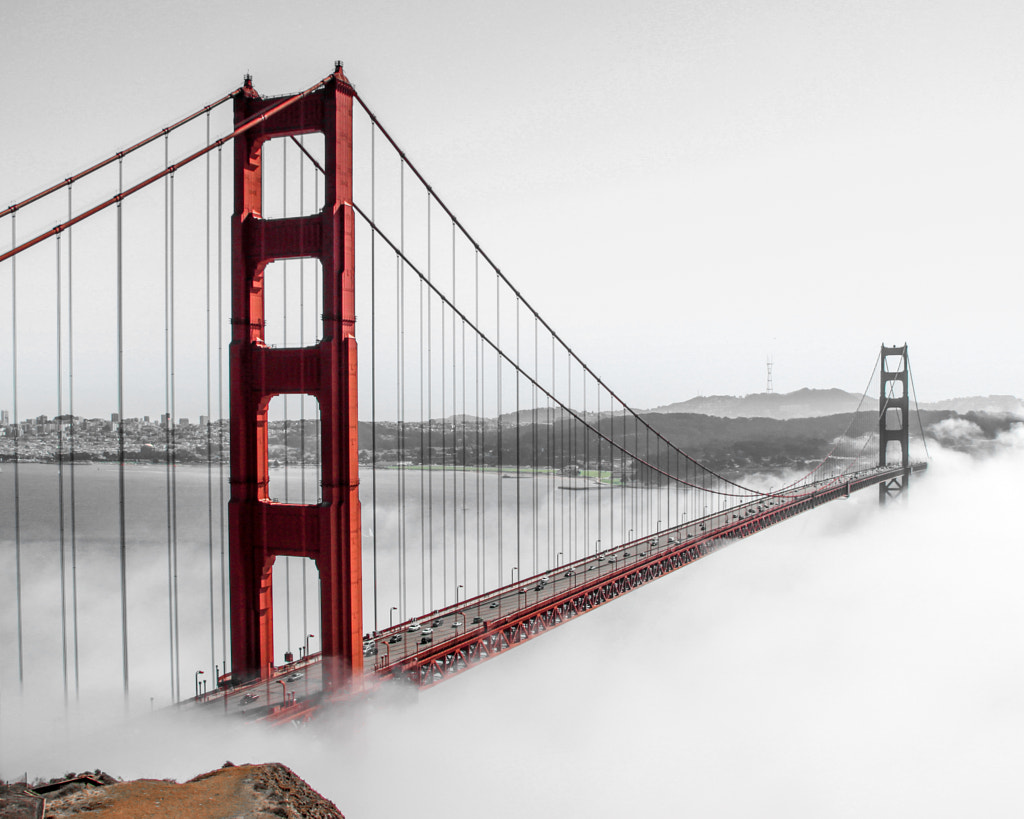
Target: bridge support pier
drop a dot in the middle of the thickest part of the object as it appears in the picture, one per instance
(262, 530)
(893, 418)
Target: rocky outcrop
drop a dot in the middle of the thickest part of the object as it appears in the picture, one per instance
(269, 791)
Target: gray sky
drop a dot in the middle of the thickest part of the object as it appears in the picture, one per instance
(681, 188)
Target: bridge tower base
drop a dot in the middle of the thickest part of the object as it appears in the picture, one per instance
(893, 418)
(261, 529)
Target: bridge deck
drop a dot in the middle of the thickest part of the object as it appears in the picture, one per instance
(435, 646)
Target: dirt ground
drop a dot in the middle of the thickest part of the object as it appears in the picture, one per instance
(270, 791)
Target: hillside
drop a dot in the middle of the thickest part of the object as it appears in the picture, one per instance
(812, 403)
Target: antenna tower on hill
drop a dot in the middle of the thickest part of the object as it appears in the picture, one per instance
(769, 389)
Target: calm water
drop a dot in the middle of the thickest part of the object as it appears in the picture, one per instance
(422, 545)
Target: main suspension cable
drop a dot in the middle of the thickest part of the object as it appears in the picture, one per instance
(248, 124)
(119, 155)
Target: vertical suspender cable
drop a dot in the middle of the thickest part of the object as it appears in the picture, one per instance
(122, 545)
(455, 513)
(533, 432)
(585, 476)
(17, 440)
(220, 407)
(611, 469)
(481, 515)
(400, 385)
(284, 397)
(596, 452)
(60, 483)
(373, 364)
(302, 395)
(572, 453)
(400, 399)
(71, 412)
(423, 458)
(465, 465)
(174, 454)
(551, 421)
(168, 420)
(444, 462)
(430, 409)
(501, 453)
(430, 406)
(519, 555)
(209, 411)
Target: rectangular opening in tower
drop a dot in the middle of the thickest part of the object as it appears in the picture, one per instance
(893, 418)
(294, 466)
(293, 302)
(895, 388)
(893, 452)
(293, 184)
(296, 609)
(893, 363)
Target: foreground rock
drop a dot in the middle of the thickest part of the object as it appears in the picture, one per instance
(270, 791)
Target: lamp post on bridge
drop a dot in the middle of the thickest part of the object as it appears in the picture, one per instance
(391, 616)
(198, 675)
(307, 644)
(460, 586)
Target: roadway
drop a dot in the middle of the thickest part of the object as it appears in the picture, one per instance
(431, 631)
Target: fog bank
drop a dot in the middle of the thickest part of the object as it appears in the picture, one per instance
(850, 662)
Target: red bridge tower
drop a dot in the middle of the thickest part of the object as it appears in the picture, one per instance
(260, 529)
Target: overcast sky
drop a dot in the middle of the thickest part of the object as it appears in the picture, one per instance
(681, 188)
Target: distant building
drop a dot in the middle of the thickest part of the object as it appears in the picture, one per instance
(114, 417)
(5, 418)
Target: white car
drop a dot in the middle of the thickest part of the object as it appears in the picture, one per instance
(414, 626)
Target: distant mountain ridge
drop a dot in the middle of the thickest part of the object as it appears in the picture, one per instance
(811, 403)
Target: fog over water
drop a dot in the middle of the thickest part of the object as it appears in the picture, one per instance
(475, 541)
(849, 662)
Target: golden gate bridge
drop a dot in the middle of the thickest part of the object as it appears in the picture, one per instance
(427, 491)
